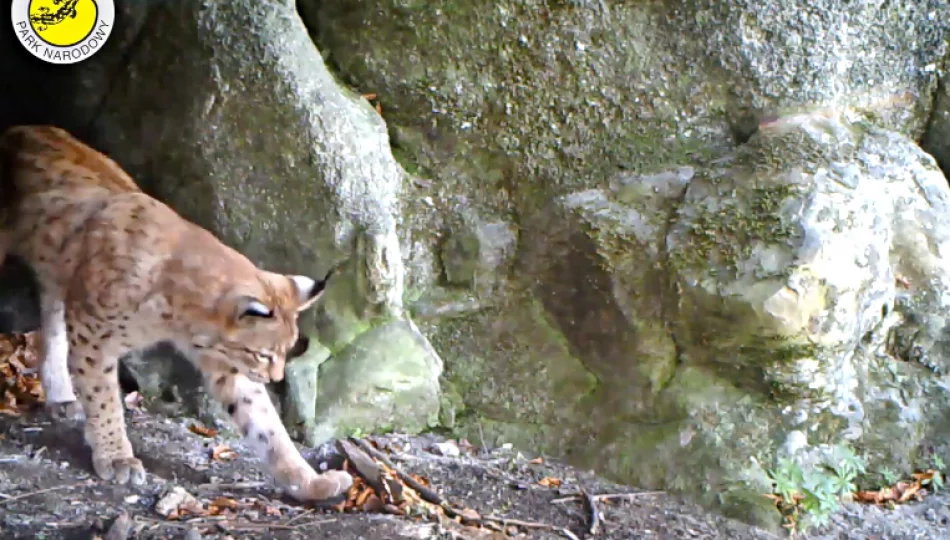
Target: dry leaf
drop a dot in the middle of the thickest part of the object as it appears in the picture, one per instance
(470, 514)
(222, 452)
(549, 481)
(362, 497)
(203, 431)
(224, 502)
(133, 400)
(537, 461)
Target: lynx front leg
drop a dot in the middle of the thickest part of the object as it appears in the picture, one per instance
(54, 354)
(93, 363)
(251, 410)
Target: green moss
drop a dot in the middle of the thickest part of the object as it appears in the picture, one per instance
(724, 237)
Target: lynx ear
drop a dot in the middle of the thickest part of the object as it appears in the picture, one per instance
(308, 290)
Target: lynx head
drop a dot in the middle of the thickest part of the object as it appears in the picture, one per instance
(258, 324)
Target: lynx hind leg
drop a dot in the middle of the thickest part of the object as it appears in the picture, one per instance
(252, 411)
(93, 363)
(54, 361)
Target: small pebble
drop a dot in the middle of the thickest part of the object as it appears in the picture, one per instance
(192, 534)
(445, 449)
(131, 499)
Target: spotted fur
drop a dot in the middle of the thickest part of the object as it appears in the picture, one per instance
(119, 271)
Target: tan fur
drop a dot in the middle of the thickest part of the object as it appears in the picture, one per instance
(120, 271)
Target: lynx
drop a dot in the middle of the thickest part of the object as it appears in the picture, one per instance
(120, 271)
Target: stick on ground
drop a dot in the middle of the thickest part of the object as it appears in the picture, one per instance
(434, 498)
(591, 503)
(609, 496)
(41, 491)
(505, 522)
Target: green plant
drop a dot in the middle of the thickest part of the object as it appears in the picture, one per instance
(936, 481)
(890, 477)
(846, 466)
(809, 497)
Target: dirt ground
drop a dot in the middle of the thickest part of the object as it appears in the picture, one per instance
(47, 491)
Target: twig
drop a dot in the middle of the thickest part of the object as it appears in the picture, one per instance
(424, 492)
(434, 498)
(237, 526)
(255, 526)
(591, 504)
(42, 491)
(481, 438)
(609, 496)
(298, 516)
(237, 485)
(162, 523)
(505, 522)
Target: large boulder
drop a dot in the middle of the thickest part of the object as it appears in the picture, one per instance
(658, 307)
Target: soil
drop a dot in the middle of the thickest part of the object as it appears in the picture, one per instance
(47, 491)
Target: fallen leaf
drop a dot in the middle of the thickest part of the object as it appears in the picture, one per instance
(537, 461)
(203, 431)
(909, 491)
(224, 502)
(222, 452)
(133, 400)
(549, 481)
(470, 514)
(362, 497)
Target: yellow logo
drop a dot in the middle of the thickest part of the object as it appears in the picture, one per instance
(63, 23)
(63, 31)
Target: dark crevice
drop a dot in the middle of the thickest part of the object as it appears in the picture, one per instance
(932, 146)
(120, 67)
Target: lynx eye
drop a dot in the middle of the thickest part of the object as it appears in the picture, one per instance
(250, 307)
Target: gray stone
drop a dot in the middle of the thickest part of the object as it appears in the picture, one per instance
(476, 251)
(387, 379)
(300, 397)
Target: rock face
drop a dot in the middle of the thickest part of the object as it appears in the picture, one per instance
(709, 204)
(670, 243)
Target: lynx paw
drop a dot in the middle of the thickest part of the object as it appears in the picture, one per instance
(67, 411)
(121, 470)
(326, 487)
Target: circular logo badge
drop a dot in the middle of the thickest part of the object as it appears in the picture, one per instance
(63, 31)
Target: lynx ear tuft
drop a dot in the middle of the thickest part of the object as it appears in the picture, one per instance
(308, 289)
